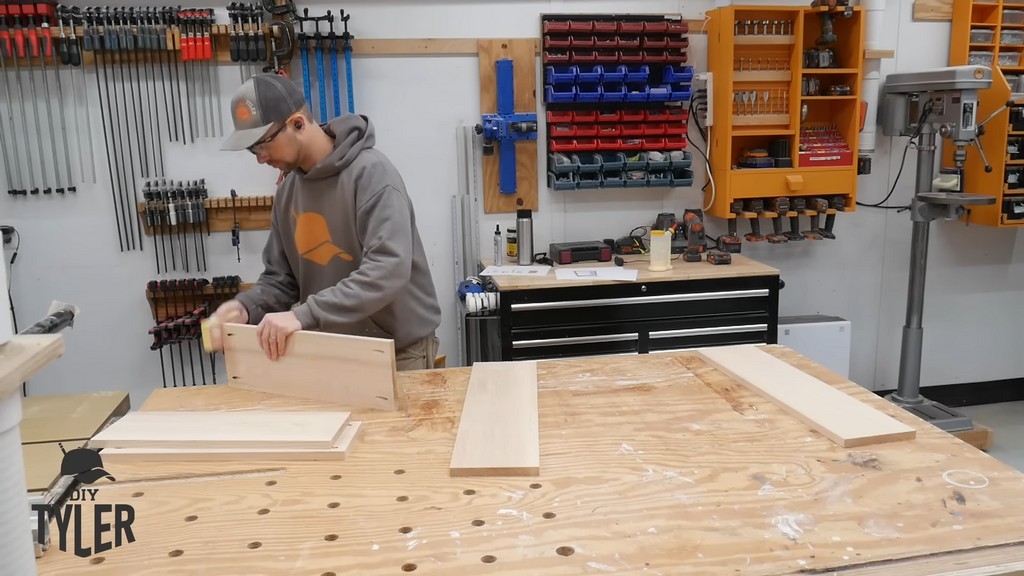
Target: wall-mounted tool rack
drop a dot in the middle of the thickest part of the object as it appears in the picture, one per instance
(992, 34)
(787, 115)
(616, 90)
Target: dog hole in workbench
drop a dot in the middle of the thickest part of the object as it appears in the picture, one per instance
(270, 482)
(254, 545)
(408, 567)
(399, 471)
(404, 530)
(336, 477)
(175, 553)
(331, 537)
(477, 522)
(565, 550)
(401, 499)
(96, 560)
(263, 511)
(334, 504)
(191, 518)
(469, 492)
(535, 486)
(549, 515)
(328, 574)
(488, 559)
(138, 494)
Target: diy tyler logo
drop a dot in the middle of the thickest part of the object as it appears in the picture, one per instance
(87, 468)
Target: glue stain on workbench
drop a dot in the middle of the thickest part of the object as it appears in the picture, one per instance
(965, 479)
(792, 526)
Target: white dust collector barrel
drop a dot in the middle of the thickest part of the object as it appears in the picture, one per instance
(16, 548)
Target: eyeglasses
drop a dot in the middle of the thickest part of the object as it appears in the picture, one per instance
(255, 148)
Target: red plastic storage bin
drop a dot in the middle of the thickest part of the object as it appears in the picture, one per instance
(556, 27)
(561, 145)
(556, 42)
(654, 129)
(581, 25)
(675, 129)
(555, 57)
(605, 27)
(632, 144)
(586, 130)
(633, 116)
(677, 27)
(631, 56)
(584, 56)
(633, 129)
(584, 41)
(656, 115)
(556, 117)
(563, 130)
(653, 143)
(633, 27)
(584, 116)
(655, 27)
(614, 116)
(608, 130)
(608, 144)
(675, 143)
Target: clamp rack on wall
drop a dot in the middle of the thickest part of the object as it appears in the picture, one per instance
(253, 213)
(615, 90)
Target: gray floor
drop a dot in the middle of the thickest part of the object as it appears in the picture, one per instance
(1007, 422)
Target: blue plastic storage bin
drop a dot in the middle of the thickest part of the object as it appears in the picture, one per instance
(682, 177)
(613, 93)
(618, 75)
(590, 74)
(637, 73)
(637, 93)
(588, 92)
(660, 93)
(680, 159)
(588, 162)
(560, 74)
(561, 94)
(562, 163)
(613, 160)
(589, 181)
(675, 74)
(680, 93)
(562, 181)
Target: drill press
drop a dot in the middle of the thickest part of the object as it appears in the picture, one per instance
(920, 105)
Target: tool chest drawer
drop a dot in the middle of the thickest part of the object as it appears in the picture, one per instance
(638, 317)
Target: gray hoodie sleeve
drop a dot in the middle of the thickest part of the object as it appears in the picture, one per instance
(277, 289)
(386, 231)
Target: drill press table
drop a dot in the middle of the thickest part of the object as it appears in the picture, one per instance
(654, 464)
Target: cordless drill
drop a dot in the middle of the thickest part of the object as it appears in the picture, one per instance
(695, 239)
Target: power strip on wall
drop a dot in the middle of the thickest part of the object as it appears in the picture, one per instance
(705, 81)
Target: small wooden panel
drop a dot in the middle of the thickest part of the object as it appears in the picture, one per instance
(24, 355)
(417, 46)
(252, 212)
(338, 452)
(351, 371)
(498, 430)
(761, 40)
(223, 430)
(69, 416)
(933, 9)
(523, 53)
(846, 420)
(759, 119)
(884, 54)
(42, 462)
(980, 436)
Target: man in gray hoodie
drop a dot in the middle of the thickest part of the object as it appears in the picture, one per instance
(344, 254)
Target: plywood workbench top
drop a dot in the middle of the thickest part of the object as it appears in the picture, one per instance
(741, 266)
(653, 464)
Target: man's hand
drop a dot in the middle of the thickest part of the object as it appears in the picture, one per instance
(230, 311)
(274, 330)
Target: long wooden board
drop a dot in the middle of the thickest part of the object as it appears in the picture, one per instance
(69, 416)
(842, 418)
(338, 452)
(933, 10)
(523, 53)
(499, 432)
(352, 371)
(24, 355)
(224, 430)
(42, 462)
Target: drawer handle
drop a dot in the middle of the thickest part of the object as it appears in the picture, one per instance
(575, 340)
(708, 331)
(660, 299)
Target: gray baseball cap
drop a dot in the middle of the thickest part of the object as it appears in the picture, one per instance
(260, 102)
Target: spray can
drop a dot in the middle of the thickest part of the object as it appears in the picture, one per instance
(497, 245)
(524, 236)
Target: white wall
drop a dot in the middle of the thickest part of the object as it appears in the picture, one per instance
(973, 317)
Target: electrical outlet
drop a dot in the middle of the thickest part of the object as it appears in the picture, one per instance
(705, 81)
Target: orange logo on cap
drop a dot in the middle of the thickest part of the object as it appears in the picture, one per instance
(244, 111)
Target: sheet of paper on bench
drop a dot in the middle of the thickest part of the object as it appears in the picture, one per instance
(350, 371)
(534, 270)
(616, 273)
(243, 429)
(338, 452)
(846, 420)
(498, 430)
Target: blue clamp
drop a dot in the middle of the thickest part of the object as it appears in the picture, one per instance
(506, 127)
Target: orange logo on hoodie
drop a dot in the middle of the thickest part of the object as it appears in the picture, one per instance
(313, 239)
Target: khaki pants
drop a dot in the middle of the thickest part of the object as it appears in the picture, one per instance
(418, 356)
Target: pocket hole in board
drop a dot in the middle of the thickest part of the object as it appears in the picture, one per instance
(399, 472)
(410, 567)
(549, 515)
(263, 511)
(404, 530)
(331, 537)
(175, 553)
(191, 518)
(469, 492)
(565, 550)
(535, 486)
(254, 545)
(138, 494)
(328, 574)
(477, 522)
(334, 504)
(488, 559)
(336, 477)
(97, 560)
(270, 483)
(401, 499)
